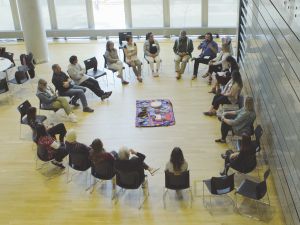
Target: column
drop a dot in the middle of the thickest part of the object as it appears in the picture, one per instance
(204, 12)
(34, 33)
(128, 16)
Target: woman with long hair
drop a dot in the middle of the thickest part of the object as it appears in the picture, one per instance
(177, 163)
(243, 161)
(54, 150)
(49, 100)
(229, 95)
(98, 153)
(113, 61)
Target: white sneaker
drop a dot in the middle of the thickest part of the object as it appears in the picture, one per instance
(73, 118)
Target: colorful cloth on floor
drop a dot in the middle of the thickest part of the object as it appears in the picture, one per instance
(147, 116)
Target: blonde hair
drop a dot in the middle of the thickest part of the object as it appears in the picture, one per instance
(71, 136)
(123, 153)
(249, 103)
(41, 84)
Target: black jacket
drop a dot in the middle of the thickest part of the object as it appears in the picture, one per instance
(58, 80)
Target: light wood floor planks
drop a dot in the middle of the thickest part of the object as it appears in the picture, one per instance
(27, 197)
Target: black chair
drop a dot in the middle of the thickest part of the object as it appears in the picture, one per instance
(79, 162)
(92, 63)
(23, 109)
(131, 181)
(10, 56)
(177, 183)
(219, 186)
(3, 86)
(102, 172)
(20, 78)
(254, 190)
(122, 37)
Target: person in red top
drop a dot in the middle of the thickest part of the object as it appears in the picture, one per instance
(98, 153)
(49, 148)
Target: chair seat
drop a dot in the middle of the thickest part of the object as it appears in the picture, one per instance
(14, 81)
(248, 189)
(23, 68)
(96, 73)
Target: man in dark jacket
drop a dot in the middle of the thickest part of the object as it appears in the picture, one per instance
(65, 87)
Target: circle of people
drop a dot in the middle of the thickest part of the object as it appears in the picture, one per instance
(227, 88)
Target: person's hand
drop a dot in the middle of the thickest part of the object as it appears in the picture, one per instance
(210, 62)
(66, 84)
(132, 152)
(153, 55)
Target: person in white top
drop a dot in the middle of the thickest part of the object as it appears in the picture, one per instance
(130, 50)
(219, 63)
(151, 51)
(77, 74)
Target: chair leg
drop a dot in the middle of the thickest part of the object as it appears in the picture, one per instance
(191, 197)
(164, 197)
(203, 195)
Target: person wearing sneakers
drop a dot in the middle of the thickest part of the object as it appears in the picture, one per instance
(53, 150)
(209, 49)
(134, 163)
(49, 100)
(113, 61)
(65, 87)
(183, 48)
(151, 51)
(130, 51)
(219, 63)
(77, 74)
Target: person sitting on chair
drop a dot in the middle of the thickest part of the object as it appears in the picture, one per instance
(229, 95)
(65, 87)
(219, 63)
(177, 163)
(98, 153)
(136, 163)
(240, 121)
(223, 77)
(130, 51)
(77, 74)
(243, 161)
(209, 51)
(183, 48)
(113, 61)
(49, 100)
(55, 150)
(151, 51)
(52, 130)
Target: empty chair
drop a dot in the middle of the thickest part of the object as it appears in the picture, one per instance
(23, 109)
(101, 172)
(122, 37)
(131, 181)
(3, 86)
(219, 186)
(177, 182)
(254, 190)
(92, 63)
(20, 78)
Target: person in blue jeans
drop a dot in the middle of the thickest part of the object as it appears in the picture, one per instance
(209, 51)
(65, 87)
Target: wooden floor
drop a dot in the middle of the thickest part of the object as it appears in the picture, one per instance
(28, 197)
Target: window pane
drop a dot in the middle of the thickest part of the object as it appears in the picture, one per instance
(71, 14)
(6, 20)
(222, 13)
(45, 15)
(146, 13)
(185, 13)
(109, 14)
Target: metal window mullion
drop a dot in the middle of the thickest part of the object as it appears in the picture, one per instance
(128, 13)
(52, 14)
(15, 14)
(204, 13)
(90, 14)
(166, 13)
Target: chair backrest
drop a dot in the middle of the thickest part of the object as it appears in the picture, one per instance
(79, 161)
(23, 108)
(91, 63)
(261, 188)
(105, 62)
(258, 132)
(222, 185)
(42, 153)
(177, 182)
(122, 36)
(128, 180)
(103, 170)
(21, 77)
(10, 56)
(3, 85)
(23, 59)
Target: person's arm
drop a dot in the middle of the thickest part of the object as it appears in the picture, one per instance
(146, 49)
(57, 83)
(219, 59)
(234, 155)
(191, 47)
(237, 120)
(233, 91)
(74, 73)
(81, 69)
(109, 58)
(45, 99)
(135, 49)
(214, 47)
(127, 54)
(231, 113)
(175, 47)
(139, 155)
(158, 48)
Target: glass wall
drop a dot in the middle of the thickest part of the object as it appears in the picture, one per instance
(222, 13)
(109, 14)
(185, 13)
(71, 14)
(45, 14)
(147, 13)
(6, 20)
